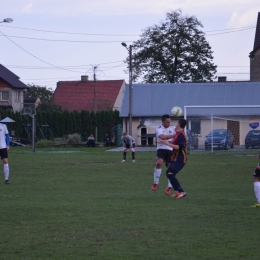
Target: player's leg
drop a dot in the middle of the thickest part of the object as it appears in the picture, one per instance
(171, 172)
(124, 154)
(167, 163)
(133, 153)
(256, 182)
(4, 157)
(158, 170)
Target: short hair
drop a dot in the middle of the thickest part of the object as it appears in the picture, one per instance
(182, 122)
(125, 133)
(164, 117)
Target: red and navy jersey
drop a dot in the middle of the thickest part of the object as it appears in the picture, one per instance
(180, 155)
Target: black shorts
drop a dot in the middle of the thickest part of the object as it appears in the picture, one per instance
(164, 154)
(3, 153)
(128, 146)
(257, 173)
(175, 167)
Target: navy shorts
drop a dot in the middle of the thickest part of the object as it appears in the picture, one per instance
(175, 167)
(3, 153)
(256, 173)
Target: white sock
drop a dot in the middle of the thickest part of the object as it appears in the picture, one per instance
(6, 171)
(257, 191)
(169, 184)
(157, 174)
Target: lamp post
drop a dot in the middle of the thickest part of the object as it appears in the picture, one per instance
(7, 20)
(130, 86)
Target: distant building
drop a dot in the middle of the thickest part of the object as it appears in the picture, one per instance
(89, 95)
(255, 54)
(11, 90)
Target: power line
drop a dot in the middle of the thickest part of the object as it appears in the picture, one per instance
(113, 35)
(34, 55)
(51, 40)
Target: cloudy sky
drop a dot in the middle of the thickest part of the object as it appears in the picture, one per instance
(56, 40)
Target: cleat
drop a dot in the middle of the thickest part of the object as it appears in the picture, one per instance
(168, 191)
(133, 160)
(7, 182)
(256, 205)
(175, 194)
(155, 186)
(123, 161)
(181, 195)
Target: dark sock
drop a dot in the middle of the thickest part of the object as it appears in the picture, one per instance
(133, 155)
(124, 155)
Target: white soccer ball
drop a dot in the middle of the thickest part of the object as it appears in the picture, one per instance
(176, 111)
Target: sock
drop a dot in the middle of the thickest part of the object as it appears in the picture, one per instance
(175, 183)
(6, 171)
(257, 191)
(157, 174)
(133, 155)
(169, 184)
(124, 156)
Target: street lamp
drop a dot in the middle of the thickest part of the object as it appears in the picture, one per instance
(7, 20)
(130, 86)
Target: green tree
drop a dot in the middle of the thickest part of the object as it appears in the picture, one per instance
(176, 50)
(45, 95)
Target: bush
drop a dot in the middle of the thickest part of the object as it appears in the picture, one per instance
(74, 139)
(45, 143)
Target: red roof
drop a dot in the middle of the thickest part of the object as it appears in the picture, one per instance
(79, 95)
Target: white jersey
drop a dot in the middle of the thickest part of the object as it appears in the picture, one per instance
(3, 132)
(165, 131)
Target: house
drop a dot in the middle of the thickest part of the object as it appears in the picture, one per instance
(11, 90)
(89, 95)
(255, 54)
(151, 101)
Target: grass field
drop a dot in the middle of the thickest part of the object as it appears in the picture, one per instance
(83, 203)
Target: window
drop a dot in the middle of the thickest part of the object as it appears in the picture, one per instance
(5, 96)
(16, 96)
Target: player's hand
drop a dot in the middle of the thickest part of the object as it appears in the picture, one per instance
(7, 148)
(163, 142)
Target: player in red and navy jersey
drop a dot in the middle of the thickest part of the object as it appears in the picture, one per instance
(178, 158)
(256, 181)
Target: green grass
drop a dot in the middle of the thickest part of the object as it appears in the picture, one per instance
(86, 204)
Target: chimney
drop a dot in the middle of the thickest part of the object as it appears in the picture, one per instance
(222, 79)
(84, 78)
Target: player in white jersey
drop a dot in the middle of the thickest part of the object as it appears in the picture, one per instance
(4, 147)
(128, 143)
(163, 154)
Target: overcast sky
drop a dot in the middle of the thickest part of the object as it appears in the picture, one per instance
(57, 40)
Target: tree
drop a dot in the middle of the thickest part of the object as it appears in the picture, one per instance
(45, 95)
(174, 51)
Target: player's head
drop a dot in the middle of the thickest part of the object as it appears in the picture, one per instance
(166, 120)
(125, 134)
(182, 123)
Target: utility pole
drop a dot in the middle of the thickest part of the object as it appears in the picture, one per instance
(95, 91)
(95, 98)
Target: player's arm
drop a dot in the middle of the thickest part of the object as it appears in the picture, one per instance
(258, 166)
(178, 146)
(7, 140)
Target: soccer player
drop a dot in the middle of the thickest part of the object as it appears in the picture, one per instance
(128, 143)
(256, 181)
(4, 147)
(163, 152)
(178, 158)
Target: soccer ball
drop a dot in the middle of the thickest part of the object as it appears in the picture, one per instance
(176, 111)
